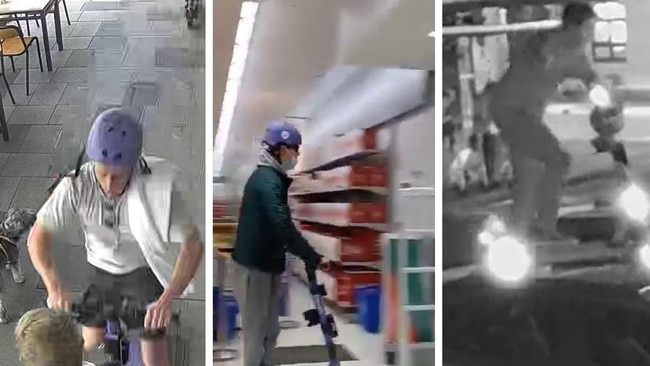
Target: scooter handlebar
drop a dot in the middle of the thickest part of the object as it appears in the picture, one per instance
(130, 312)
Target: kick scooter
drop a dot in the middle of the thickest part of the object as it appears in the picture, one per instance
(124, 317)
(318, 316)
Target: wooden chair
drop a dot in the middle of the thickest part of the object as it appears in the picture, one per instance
(13, 44)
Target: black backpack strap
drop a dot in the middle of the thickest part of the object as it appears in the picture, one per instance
(80, 162)
(77, 171)
(144, 167)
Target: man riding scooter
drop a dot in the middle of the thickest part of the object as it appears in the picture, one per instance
(130, 210)
(517, 105)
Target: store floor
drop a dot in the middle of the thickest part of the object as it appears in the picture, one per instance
(366, 348)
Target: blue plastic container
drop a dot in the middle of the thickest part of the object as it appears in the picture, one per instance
(368, 300)
(232, 310)
(215, 311)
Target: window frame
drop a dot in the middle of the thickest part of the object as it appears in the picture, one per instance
(610, 45)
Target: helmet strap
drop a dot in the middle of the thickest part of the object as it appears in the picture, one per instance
(144, 167)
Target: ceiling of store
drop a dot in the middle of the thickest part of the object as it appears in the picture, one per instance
(296, 42)
(226, 18)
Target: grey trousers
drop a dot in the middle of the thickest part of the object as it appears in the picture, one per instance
(258, 295)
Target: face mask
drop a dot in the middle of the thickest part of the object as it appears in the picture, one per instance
(289, 164)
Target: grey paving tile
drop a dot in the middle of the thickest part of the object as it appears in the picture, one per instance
(176, 116)
(18, 91)
(71, 75)
(9, 109)
(75, 94)
(41, 139)
(65, 28)
(8, 186)
(73, 43)
(111, 28)
(80, 58)
(165, 27)
(59, 58)
(74, 17)
(3, 160)
(109, 94)
(17, 135)
(85, 29)
(105, 5)
(35, 76)
(108, 43)
(31, 115)
(31, 192)
(74, 5)
(177, 58)
(48, 94)
(109, 57)
(28, 165)
(113, 75)
(33, 60)
(67, 114)
(93, 16)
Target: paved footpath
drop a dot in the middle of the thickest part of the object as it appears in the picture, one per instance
(135, 53)
(591, 176)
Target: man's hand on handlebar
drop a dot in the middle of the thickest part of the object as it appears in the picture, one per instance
(59, 298)
(159, 313)
(327, 264)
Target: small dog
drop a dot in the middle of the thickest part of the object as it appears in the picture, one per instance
(16, 223)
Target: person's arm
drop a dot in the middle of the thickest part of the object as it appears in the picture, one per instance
(569, 56)
(280, 215)
(52, 217)
(183, 230)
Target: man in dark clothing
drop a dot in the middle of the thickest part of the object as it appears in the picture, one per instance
(264, 234)
(518, 103)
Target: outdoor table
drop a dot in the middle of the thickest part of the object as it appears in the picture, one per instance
(36, 10)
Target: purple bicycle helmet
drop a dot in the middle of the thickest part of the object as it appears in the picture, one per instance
(115, 139)
(282, 133)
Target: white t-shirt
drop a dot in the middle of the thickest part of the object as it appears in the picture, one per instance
(109, 242)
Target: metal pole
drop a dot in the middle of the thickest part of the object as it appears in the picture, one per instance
(287, 323)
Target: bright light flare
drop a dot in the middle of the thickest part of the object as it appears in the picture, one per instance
(508, 260)
(644, 256)
(634, 202)
(600, 97)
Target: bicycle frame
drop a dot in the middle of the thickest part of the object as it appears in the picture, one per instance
(121, 350)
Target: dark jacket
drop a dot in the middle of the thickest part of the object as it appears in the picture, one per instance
(265, 231)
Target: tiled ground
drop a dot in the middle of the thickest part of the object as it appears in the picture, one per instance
(136, 53)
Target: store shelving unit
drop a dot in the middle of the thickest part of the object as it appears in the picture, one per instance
(339, 204)
(408, 280)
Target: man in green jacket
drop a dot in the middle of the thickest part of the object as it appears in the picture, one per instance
(264, 234)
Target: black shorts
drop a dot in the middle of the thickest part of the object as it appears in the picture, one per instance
(141, 286)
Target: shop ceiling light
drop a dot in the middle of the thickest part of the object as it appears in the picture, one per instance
(243, 37)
